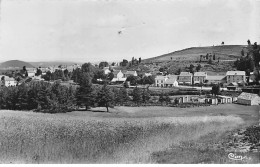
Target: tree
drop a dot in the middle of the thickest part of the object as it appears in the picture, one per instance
(215, 89)
(139, 61)
(191, 68)
(148, 80)
(137, 95)
(162, 98)
(85, 93)
(110, 76)
(133, 79)
(103, 64)
(248, 75)
(178, 72)
(176, 101)
(121, 96)
(210, 61)
(38, 72)
(242, 52)
(105, 97)
(222, 43)
(161, 69)
(248, 42)
(198, 68)
(146, 95)
(47, 77)
(214, 57)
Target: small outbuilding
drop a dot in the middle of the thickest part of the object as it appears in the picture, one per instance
(248, 99)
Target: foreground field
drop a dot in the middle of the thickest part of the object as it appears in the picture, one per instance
(126, 135)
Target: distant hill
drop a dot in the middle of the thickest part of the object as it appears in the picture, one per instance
(224, 52)
(52, 63)
(15, 64)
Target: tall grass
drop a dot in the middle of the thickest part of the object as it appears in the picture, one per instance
(45, 138)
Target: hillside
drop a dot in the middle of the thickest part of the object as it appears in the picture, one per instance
(52, 63)
(225, 52)
(15, 64)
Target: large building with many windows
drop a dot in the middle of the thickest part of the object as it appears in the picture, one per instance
(236, 76)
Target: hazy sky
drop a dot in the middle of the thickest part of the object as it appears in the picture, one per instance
(87, 30)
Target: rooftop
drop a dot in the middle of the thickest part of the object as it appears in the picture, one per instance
(130, 72)
(160, 77)
(185, 74)
(215, 77)
(236, 73)
(200, 74)
(248, 96)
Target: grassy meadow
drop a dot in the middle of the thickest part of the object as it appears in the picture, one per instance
(125, 135)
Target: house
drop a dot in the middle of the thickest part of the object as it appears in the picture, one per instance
(185, 78)
(9, 81)
(248, 99)
(171, 81)
(215, 79)
(118, 76)
(147, 74)
(130, 73)
(236, 76)
(31, 72)
(225, 99)
(232, 86)
(106, 70)
(199, 77)
(160, 80)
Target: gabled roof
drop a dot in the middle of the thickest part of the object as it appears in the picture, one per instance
(9, 79)
(236, 73)
(185, 74)
(130, 72)
(233, 84)
(215, 77)
(200, 74)
(248, 96)
(170, 81)
(115, 72)
(160, 77)
(172, 77)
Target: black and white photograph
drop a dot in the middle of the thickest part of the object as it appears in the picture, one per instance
(129, 82)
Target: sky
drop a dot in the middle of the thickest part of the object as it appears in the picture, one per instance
(112, 30)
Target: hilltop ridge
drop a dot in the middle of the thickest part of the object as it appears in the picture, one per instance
(193, 53)
(15, 64)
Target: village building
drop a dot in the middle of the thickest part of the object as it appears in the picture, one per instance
(248, 99)
(185, 78)
(216, 79)
(232, 86)
(106, 70)
(31, 72)
(9, 81)
(236, 76)
(130, 73)
(225, 99)
(199, 77)
(147, 74)
(118, 76)
(171, 81)
(160, 80)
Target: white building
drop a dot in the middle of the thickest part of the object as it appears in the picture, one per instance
(248, 99)
(171, 81)
(9, 81)
(118, 76)
(160, 80)
(236, 76)
(106, 70)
